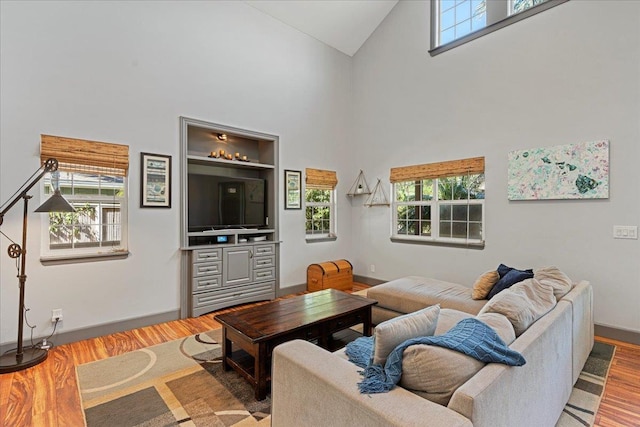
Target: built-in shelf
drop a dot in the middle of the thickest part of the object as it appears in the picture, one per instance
(235, 164)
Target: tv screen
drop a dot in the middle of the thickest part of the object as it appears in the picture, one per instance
(219, 202)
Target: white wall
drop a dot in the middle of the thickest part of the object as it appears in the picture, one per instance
(568, 75)
(124, 72)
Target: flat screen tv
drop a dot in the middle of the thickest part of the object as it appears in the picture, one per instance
(221, 202)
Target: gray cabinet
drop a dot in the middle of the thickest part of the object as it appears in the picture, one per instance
(231, 275)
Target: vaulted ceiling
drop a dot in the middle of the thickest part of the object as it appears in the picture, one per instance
(342, 24)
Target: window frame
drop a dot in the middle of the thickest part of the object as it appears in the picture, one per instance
(102, 250)
(332, 234)
(490, 28)
(435, 203)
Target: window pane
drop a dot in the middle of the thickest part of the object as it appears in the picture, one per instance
(319, 196)
(447, 19)
(447, 36)
(405, 191)
(478, 21)
(522, 5)
(426, 228)
(427, 189)
(475, 212)
(445, 229)
(475, 186)
(447, 4)
(459, 230)
(459, 212)
(463, 11)
(411, 227)
(411, 212)
(401, 227)
(463, 28)
(425, 212)
(445, 212)
(475, 231)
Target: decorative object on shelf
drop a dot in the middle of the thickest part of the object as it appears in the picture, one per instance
(377, 196)
(360, 186)
(21, 358)
(214, 154)
(292, 189)
(222, 136)
(572, 171)
(155, 181)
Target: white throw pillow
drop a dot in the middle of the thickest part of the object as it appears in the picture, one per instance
(391, 333)
(522, 304)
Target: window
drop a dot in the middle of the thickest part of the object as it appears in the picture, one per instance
(455, 22)
(320, 207)
(93, 178)
(439, 202)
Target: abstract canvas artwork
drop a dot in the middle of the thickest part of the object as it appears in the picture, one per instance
(572, 171)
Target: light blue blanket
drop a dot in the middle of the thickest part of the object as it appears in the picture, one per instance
(470, 336)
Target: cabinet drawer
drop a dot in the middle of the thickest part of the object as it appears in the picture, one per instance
(205, 283)
(264, 261)
(264, 274)
(225, 297)
(203, 255)
(207, 268)
(265, 249)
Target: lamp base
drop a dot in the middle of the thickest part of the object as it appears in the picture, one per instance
(9, 362)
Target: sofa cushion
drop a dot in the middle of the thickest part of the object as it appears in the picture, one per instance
(555, 278)
(500, 324)
(449, 318)
(412, 293)
(508, 279)
(484, 283)
(522, 304)
(391, 333)
(436, 372)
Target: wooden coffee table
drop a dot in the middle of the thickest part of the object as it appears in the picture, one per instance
(257, 330)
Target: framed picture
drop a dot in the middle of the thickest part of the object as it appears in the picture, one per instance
(292, 189)
(155, 181)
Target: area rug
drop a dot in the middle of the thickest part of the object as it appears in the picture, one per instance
(177, 383)
(585, 397)
(181, 383)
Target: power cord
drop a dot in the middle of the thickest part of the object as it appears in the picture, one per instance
(45, 344)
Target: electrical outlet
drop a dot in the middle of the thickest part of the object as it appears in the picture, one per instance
(372, 268)
(56, 315)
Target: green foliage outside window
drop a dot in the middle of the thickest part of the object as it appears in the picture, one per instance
(318, 211)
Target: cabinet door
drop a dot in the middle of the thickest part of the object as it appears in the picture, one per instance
(237, 265)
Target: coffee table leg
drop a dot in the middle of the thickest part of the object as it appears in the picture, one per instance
(226, 350)
(261, 371)
(367, 328)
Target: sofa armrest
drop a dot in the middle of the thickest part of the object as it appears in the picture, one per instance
(312, 387)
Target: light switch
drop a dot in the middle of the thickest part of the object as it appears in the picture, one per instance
(625, 231)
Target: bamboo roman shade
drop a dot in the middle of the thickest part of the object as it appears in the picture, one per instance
(320, 179)
(78, 154)
(474, 165)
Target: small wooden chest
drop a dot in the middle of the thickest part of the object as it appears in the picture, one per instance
(331, 274)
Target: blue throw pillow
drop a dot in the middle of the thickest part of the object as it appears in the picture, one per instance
(509, 279)
(504, 269)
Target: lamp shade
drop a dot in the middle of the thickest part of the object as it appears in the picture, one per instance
(56, 203)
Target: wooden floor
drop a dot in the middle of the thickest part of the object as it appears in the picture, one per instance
(47, 394)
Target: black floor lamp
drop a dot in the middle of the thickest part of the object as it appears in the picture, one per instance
(22, 358)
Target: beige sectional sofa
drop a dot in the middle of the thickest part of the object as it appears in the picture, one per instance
(313, 387)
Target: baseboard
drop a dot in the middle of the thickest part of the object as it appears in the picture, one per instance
(97, 331)
(368, 280)
(625, 335)
(295, 289)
